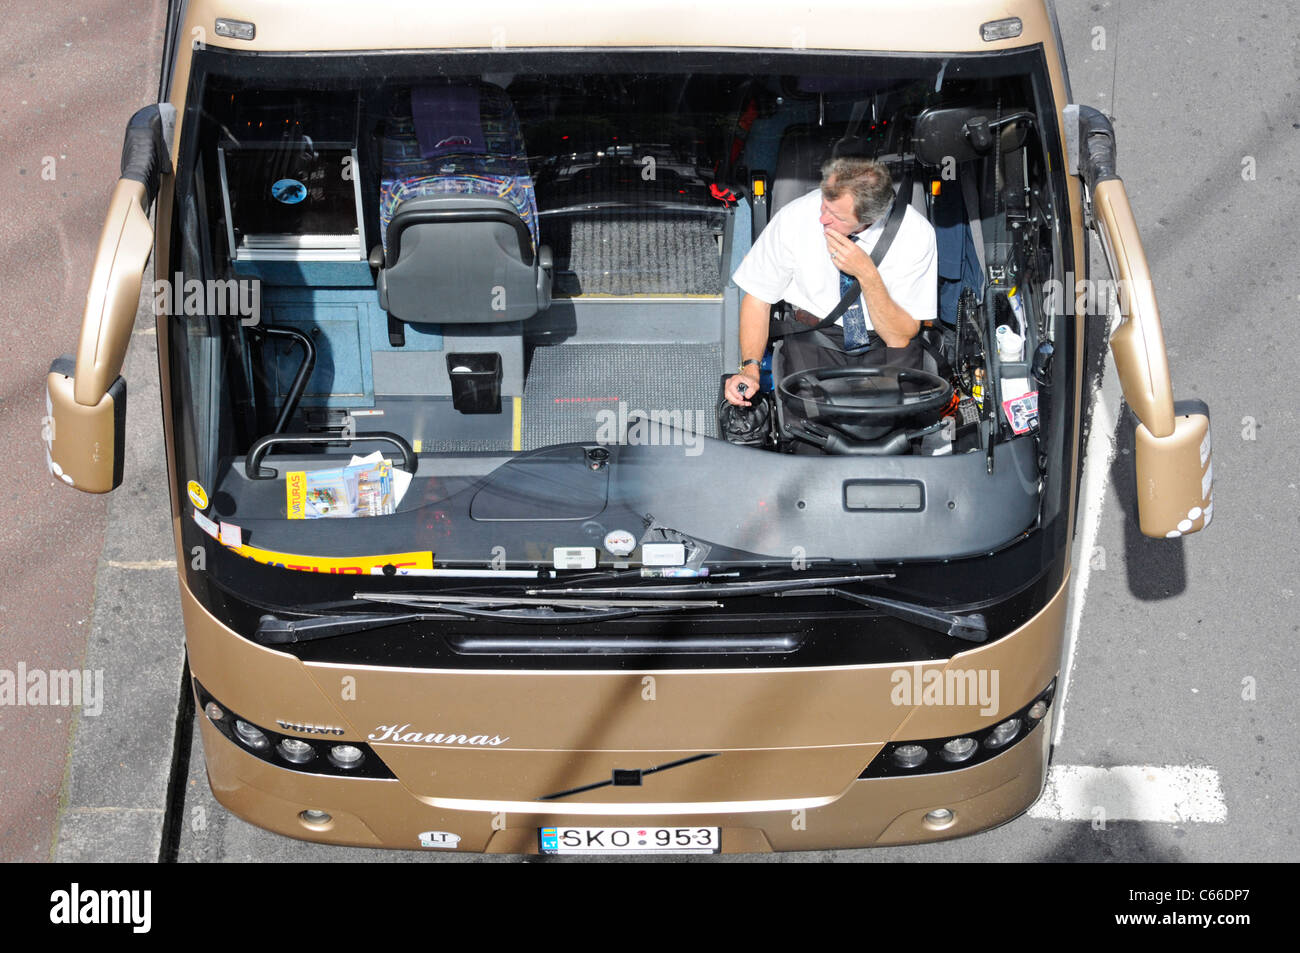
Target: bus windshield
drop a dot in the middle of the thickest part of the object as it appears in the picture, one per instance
(471, 313)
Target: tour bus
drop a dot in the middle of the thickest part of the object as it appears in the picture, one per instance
(473, 555)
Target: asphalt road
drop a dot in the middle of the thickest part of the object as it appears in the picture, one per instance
(69, 80)
(1184, 655)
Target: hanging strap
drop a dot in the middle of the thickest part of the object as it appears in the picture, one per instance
(973, 219)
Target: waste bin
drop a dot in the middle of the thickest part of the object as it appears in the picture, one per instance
(475, 382)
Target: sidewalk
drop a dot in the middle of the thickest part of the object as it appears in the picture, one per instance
(70, 77)
(115, 792)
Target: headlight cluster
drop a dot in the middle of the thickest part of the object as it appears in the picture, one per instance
(328, 756)
(947, 754)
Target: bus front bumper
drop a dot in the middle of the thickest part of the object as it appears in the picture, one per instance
(870, 812)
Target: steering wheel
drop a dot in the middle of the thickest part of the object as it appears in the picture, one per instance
(862, 410)
(881, 395)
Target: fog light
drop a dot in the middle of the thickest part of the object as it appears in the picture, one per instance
(315, 817)
(1003, 733)
(909, 756)
(1037, 710)
(299, 752)
(213, 711)
(959, 749)
(250, 735)
(940, 818)
(347, 756)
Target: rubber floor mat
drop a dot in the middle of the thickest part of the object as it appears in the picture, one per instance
(585, 392)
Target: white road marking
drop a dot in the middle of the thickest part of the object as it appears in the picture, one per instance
(1100, 451)
(1172, 794)
(143, 564)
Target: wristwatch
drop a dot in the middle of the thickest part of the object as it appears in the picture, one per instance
(745, 363)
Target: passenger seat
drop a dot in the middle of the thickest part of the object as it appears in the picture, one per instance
(458, 214)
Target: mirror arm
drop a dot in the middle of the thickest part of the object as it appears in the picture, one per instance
(124, 247)
(1138, 342)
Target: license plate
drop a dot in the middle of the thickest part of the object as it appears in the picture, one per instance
(630, 840)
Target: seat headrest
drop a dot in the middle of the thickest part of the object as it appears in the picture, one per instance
(447, 121)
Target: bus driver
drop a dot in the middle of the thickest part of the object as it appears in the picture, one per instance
(808, 254)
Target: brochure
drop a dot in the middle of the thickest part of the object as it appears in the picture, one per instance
(360, 489)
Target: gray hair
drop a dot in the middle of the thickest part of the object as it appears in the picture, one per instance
(867, 180)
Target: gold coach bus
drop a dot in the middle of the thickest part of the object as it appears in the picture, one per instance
(472, 555)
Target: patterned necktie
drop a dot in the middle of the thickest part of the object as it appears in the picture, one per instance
(855, 324)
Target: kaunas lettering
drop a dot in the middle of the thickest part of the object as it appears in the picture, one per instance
(401, 734)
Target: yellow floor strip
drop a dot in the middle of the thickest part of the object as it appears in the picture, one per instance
(517, 435)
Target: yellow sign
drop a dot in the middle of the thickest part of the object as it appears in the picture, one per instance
(343, 565)
(295, 495)
(198, 495)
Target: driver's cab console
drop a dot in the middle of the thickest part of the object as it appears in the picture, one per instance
(863, 411)
(986, 356)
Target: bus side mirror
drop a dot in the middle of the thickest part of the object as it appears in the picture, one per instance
(1175, 474)
(84, 445)
(1175, 478)
(85, 428)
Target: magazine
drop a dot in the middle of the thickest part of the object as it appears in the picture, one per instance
(360, 489)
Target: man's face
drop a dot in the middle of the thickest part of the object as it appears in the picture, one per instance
(837, 215)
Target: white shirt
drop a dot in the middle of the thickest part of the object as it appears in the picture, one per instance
(789, 262)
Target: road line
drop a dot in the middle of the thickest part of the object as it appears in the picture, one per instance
(143, 564)
(1171, 794)
(1100, 452)
(112, 810)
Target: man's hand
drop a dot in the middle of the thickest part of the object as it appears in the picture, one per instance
(894, 325)
(748, 379)
(848, 256)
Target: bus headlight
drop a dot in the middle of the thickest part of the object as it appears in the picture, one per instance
(959, 749)
(910, 756)
(292, 749)
(250, 735)
(1003, 733)
(346, 756)
(960, 752)
(333, 757)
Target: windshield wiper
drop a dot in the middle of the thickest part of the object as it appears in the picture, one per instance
(970, 628)
(536, 610)
(593, 605)
(272, 630)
